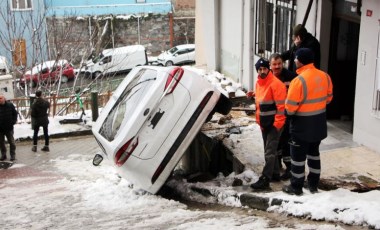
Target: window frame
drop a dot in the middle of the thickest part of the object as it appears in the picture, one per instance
(272, 31)
(27, 5)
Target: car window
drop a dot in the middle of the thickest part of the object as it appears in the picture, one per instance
(127, 102)
(107, 59)
(173, 50)
(182, 52)
(98, 58)
(191, 49)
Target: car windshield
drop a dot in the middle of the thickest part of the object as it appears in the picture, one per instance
(173, 50)
(127, 102)
(98, 58)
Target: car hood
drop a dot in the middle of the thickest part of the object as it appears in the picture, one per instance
(164, 55)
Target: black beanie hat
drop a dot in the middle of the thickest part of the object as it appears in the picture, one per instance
(305, 56)
(262, 63)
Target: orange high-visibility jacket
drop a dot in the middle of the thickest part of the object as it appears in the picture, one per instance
(308, 95)
(270, 102)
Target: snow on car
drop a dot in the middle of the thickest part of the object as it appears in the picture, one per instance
(152, 118)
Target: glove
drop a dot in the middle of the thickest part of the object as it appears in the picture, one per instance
(250, 94)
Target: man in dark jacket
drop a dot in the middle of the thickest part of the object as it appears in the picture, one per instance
(40, 118)
(8, 118)
(277, 66)
(302, 39)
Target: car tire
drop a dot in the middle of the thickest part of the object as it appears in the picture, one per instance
(224, 105)
(96, 75)
(32, 84)
(169, 63)
(64, 79)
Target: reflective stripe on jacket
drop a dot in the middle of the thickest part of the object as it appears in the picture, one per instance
(270, 102)
(306, 102)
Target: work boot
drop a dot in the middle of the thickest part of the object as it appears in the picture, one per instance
(3, 157)
(286, 175)
(45, 148)
(34, 148)
(291, 191)
(312, 188)
(261, 184)
(276, 178)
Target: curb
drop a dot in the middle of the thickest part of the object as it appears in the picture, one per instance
(59, 135)
(257, 202)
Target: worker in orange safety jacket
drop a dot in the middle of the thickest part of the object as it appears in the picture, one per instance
(308, 95)
(270, 95)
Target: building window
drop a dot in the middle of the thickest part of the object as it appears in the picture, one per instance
(21, 4)
(274, 22)
(140, 1)
(376, 96)
(19, 52)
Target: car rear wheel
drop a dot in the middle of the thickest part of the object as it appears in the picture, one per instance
(64, 79)
(169, 63)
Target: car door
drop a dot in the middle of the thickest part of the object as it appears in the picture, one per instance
(181, 56)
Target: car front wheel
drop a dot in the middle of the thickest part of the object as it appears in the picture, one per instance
(96, 75)
(169, 63)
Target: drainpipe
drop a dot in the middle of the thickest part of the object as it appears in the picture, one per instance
(138, 28)
(242, 43)
(217, 35)
(171, 29)
(89, 30)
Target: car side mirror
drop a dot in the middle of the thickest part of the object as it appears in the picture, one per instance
(97, 160)
(101, 63)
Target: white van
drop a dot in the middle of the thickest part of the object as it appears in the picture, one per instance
(117, 60)
(3, 66)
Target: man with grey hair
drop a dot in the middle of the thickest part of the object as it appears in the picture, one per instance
(8, 118)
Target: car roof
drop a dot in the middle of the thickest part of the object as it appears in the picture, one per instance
(124, 49)
(186, 46)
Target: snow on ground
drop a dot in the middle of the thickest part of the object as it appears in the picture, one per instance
(80, 196)
(110, 193)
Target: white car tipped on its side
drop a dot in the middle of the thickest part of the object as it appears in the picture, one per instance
(178, 55)
(152, 118)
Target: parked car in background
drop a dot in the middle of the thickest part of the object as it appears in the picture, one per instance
(117, 60)
(178, 55)
(49, 71)
(152, 118)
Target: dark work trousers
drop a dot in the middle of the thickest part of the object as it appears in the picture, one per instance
(284, 148)
(46, 135)
(11, 141)
(271, 138)
(301, 151)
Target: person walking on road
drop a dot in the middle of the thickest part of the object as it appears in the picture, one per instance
(270, 97)
(302, 39)
(8, 118)
(309, 93)
(283, 150)
(40, 118)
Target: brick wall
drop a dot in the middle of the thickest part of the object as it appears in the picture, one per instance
(71, 37)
